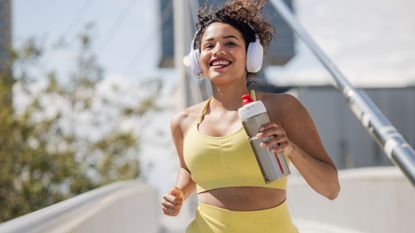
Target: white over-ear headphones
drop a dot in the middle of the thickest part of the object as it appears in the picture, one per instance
(254, 56)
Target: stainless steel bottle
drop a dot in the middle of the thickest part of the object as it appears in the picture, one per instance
(253, 115)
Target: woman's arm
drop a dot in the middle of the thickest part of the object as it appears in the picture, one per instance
(184, 181)
(299, 140)
(173, 201)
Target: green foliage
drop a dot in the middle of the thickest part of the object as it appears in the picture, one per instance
(46, 153)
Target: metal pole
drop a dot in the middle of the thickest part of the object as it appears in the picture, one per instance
(5, 34)
(182, 40)
(388, 138)
(6, 78)
(204, 86)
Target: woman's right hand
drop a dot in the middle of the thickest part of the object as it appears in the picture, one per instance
(172, 202)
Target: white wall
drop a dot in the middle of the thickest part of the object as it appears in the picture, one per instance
(372, 200)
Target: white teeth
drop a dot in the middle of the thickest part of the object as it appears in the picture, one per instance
(220, 63)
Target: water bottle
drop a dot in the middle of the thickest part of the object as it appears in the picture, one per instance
(253, 115)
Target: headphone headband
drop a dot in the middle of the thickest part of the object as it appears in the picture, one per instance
(193, 44)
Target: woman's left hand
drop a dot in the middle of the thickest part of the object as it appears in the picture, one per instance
(276, 138)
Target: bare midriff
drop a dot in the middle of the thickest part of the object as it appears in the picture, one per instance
(243, 198)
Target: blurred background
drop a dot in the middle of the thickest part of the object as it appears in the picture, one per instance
(87, 90)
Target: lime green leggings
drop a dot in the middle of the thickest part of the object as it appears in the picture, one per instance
(212, 219)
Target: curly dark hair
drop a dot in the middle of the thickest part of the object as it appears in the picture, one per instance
(244, 15)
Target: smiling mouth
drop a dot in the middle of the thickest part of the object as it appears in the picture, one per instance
(219, 63)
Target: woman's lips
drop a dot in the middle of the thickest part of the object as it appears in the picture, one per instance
(219, 64)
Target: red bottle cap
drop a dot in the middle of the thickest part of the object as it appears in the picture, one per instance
(246, 99)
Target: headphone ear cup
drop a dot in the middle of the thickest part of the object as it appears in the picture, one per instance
(194, 63)
(254, 56)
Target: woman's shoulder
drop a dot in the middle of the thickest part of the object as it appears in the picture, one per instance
(283, 107)
(280, 101)
(182, 120)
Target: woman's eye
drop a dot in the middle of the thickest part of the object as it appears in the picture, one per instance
(231, 43)
(208, 46)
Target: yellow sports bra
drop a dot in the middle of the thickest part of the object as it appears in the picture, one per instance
(226, 161)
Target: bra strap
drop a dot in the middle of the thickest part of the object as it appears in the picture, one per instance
(203, 112)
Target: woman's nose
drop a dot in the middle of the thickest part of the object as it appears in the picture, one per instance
(219, 50)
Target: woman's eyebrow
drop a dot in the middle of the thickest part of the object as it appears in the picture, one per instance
(225, 37)
(230, 36)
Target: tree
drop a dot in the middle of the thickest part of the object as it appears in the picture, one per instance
(57, 142)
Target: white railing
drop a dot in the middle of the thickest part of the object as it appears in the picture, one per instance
(122, 207)
(372, 200)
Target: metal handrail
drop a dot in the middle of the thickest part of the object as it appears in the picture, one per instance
(384, 133)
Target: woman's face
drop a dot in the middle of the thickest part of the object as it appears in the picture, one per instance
(222, 53)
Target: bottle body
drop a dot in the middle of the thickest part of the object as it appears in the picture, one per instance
(273, 167)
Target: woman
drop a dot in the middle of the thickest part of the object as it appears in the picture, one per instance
(213, 150)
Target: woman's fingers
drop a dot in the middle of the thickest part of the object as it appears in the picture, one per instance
(170, 206)
(270, 130)
(170, 212)
(275, 138)
(275, 143)
(279, 147)
(172, 203)
(170, 209)
(173, 199)
(268, 126)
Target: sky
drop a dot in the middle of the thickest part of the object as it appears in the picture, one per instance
(371, 42)
(126, 32)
